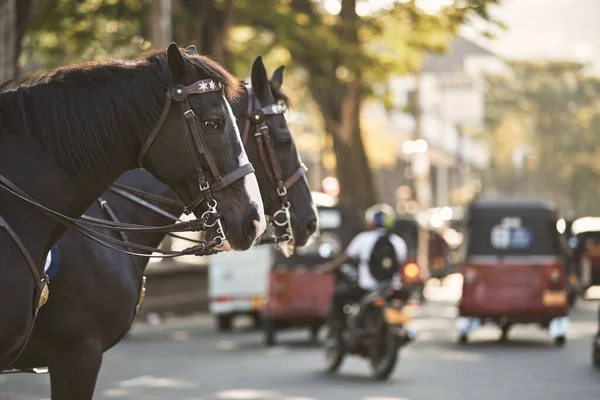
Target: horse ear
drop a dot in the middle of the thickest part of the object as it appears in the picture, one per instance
(175, 61)
(191, 49)
(260, 82)
(277, 76)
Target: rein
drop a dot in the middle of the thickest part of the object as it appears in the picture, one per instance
(257, 115)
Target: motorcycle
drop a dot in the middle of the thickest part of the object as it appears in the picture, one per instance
(381, 334)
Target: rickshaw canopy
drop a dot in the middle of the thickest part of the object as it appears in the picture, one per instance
(585, 225)
(512, 227)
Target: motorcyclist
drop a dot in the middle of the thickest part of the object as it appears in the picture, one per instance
(380, 218)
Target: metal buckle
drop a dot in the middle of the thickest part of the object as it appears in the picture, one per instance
(282, 191)
(205, 187)
(189, 113)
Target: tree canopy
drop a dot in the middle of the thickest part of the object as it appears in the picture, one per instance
(343, 51)
(544, 117)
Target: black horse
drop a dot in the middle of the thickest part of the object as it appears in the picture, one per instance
(67, 135)
(94, 296)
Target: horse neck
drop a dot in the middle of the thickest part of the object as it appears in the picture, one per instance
(129, 212)
(34, 159)
(30, 168)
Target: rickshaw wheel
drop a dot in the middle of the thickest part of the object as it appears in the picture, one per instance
(596, 355)
(224, 323)
(314, 333)
(256, 321)
(560, 341)
(505, 330)
(572, 298)
(269, 334)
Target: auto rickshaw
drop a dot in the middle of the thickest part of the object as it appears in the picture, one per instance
(585, 242)
(513, 268)
(297, 295)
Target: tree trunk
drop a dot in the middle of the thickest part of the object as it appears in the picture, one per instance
(340, 103)
(207, 24)
(8, 40)
(160, 23)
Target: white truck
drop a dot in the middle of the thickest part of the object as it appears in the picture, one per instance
(237, 284)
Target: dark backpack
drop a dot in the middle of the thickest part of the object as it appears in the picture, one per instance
(383, 263)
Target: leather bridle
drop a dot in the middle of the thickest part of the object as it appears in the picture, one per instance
(256, 116)
(180, 94)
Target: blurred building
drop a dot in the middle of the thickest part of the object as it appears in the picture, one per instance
(451, 100)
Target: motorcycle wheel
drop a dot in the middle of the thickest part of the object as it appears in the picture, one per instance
(334, 355)
(269, 332)
(384, 360)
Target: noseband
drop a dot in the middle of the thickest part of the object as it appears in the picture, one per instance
(257, 115)
(196, 144)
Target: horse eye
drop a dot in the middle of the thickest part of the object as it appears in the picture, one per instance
(211, 124)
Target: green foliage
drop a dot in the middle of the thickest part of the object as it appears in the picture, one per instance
(553, 109)
(342, 58)
(67, 31)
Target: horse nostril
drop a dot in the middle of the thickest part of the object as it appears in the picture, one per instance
(312, 226)
(253, 227)
(259, 226)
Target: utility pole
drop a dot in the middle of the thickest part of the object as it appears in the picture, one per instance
(161, 28)
(422, 182)
(8, 39)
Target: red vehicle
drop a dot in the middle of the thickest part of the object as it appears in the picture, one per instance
(586, 257)
(514, 268)
(297, 295)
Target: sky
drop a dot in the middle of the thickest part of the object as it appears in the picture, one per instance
(549, 29)
(537, 29)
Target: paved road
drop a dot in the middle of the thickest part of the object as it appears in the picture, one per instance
(186, 360)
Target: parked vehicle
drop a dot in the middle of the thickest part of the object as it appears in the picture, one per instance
(586, 252)
(514, 268)
(381, 333)
(238, 284)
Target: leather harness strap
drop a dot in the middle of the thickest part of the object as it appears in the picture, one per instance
(155, 130)
(296, 176)
(32, 265)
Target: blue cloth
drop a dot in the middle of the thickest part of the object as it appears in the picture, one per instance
(54, 262)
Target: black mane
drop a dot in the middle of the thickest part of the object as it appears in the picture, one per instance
(71, 110)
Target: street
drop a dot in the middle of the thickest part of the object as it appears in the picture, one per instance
(187, 360)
